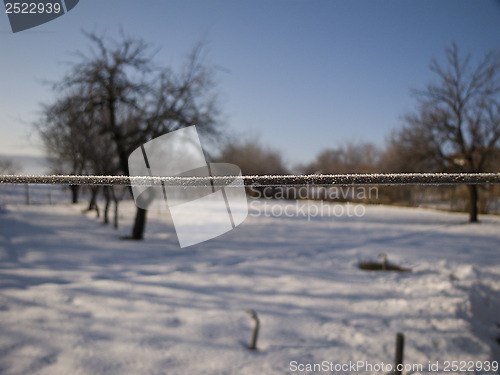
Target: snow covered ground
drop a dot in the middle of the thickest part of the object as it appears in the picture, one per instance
(76, 299)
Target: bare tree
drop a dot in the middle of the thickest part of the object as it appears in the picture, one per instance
(456, 127)
(67, 130)
(132, 101)
(7, 166)
(253, 158)
(350, 157)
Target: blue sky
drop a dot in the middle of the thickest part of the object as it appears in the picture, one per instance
(301, 75)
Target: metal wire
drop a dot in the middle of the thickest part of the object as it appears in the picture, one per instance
(264, 181)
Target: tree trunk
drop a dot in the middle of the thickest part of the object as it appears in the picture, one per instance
(27, 194)
(108, 203)
(473, 198)
(93, 197)
(74, 193)
(116, 214)
(116, 201)
(139, 224)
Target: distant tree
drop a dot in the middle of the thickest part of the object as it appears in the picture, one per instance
(66, 129)
(253, 158)
(132, 101)
(456, 127)
(7, 166)
(350, 157)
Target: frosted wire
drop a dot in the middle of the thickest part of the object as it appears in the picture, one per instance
(265, 180)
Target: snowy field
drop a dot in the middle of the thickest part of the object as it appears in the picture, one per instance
(76, 299)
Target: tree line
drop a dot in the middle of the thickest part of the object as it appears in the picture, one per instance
(114, 98)
(454, 128)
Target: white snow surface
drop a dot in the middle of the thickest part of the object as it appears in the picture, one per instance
(75, 298)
